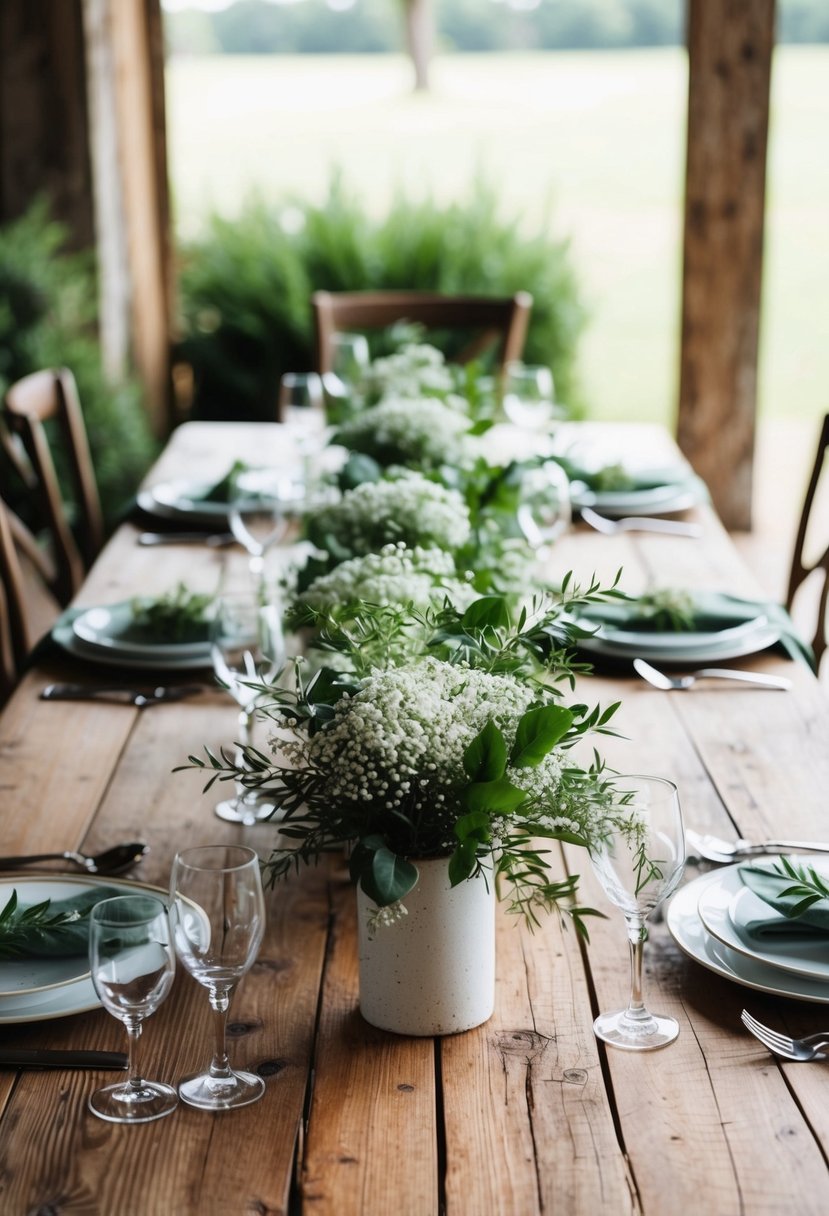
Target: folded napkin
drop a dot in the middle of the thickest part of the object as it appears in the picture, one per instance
(704, 612)
(769, 886)
(618, 479)
(63, 940)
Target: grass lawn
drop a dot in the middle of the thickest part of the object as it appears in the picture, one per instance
(589, 143)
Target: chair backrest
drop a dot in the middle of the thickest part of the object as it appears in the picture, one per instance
(29, 403)
(502, 322)
(800, 569)
(14, 638)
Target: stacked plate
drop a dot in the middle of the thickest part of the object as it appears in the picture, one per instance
(105, 635)
(689, 646)
(35, 989)
(677, 492)
(183, 501)
(716, 921)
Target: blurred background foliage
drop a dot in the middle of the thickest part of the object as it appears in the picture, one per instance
(246, 285)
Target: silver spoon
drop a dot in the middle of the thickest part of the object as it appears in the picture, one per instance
(636, 523)
(111, 861)
(659, 680)
(713, 848)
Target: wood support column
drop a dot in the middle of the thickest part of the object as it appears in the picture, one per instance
(730, 45)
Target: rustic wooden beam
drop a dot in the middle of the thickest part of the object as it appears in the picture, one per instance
(730, 46)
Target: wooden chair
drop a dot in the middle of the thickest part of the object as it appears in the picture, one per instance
(800, 570)
(14, 637)
(29, 404)
(501, 322)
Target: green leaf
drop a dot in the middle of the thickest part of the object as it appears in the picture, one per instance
(485, 759)
(388, 878)
(538, 732)
(494, 796)
(488, 612)
(474, 826)
(463, 861)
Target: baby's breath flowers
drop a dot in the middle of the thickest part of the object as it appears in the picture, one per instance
(420, 432)
(453, 746)
(408, 508)
(416, 370)
(395, 575)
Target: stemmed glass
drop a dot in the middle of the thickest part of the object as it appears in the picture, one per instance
(217, 912)
(247, 646)
(301, 404)
(544, 511)
(349, 364)
(529, 396)
(132, 964)
(259, 511)
(639, 864)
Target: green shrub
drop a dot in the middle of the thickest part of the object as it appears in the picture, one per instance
(246, 286)
(48, 305)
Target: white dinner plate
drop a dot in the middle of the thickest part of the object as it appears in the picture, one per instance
(726, 906)
(148, 503)
(65, 636)
(186, 498)
(751, 642)
(105, 627)
(36, 989)
(673, 642)
(656, 500)
(689, 933)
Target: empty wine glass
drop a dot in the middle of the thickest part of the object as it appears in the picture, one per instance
(544, 511)
(301, 404)
(217, 912)
(639, 863)
(247, 647)
(132, 964)
(349, 364)
(260, 510)
(529, 396)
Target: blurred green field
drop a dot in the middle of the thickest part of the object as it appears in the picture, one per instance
(589, 143)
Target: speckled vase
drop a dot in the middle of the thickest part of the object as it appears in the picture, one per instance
(432, 971)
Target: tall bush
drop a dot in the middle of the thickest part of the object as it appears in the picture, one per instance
(48, 307)
(246, 285)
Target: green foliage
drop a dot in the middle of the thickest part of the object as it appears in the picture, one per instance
(246, 285)
(16, 926)
(48, 306)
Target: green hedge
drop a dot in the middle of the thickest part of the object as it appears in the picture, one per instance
(246, 285)
(48, 304)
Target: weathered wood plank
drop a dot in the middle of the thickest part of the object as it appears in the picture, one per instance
(730, 49)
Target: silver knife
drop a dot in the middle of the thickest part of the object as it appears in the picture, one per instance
(215, 540)
(40, 1057)
(118, 694)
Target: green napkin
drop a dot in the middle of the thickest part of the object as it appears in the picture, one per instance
(222, 490)
(62, 940)
(769, 886)
(617, 479)
(708, 612)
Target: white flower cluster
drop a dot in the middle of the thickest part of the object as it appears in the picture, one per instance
(410, 509)
(395, 575)
(400, 742)
(421, 432)
(416, 369)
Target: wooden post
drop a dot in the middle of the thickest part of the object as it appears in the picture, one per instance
(730, 46)
(127, 125)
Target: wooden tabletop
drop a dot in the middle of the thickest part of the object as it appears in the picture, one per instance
(528, 1113)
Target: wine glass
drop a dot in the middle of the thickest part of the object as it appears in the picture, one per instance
(349, 364)
(217, 912)
(301, 403)
(132, 963)
(259, 511)
(639, 863)
(247, 646)
(529, 396)
(544, 511)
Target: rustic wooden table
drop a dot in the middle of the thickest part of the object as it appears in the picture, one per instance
(526, 1114)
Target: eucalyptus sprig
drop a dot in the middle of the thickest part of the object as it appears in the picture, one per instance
(177, 616)
(807, 886)
(16, 925)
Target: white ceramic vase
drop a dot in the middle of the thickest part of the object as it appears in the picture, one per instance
(431, 971)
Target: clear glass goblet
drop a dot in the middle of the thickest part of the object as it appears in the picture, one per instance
(639, 864)
(545, 511)
(529, 396)
(132, 963)
(217, 911)
(344, 383)
(301, 403)
(247, 647)
(262, 503)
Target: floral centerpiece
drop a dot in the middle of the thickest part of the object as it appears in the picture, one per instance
(417, 369)
(395, 575)
(422, 432)
(453, 756)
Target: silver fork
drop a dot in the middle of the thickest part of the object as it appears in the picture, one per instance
(638, 523)
(807, 1048)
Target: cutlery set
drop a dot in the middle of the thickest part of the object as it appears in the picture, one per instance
(116, 694)
(712, 848)
(117, 860)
